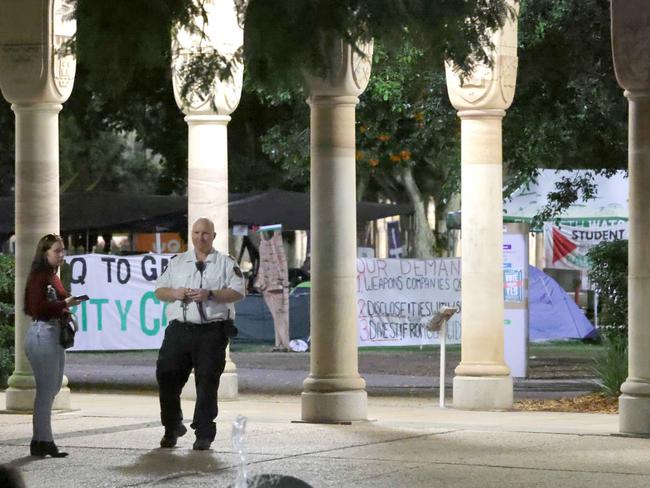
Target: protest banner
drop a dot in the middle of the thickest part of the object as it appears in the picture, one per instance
(396, 298)
(123, 313)
(567, 245)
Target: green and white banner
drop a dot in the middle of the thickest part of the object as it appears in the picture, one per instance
(123, 312)
(396, 299)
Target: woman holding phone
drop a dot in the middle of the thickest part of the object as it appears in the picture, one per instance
(46, 301)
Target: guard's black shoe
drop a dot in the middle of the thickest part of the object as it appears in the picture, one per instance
(52, 449)
(171, 435)
(44, 448)
(201, 444)
(36, 449)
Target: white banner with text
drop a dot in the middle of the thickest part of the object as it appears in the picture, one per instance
(567, 245)
(123, 312)
(396, 299)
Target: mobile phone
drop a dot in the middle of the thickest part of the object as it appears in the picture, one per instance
(82, 298)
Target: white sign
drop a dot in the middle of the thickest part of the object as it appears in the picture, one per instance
(397, 297)
(567, 245)
(515, 264)
(123, 312)
(515, 298)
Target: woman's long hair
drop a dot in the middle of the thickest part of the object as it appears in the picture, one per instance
(40, 256)
(40, 263)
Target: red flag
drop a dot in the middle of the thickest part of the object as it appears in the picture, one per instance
(561, 245)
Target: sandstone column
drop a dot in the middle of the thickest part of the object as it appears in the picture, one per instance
(630, 40)
(482, 378)
(334, 391)
(207, 117)
(36, 77)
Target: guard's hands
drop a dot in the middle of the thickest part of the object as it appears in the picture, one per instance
(181, 294)
(198, 295)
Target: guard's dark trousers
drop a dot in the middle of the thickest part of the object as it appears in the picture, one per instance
(187, 346)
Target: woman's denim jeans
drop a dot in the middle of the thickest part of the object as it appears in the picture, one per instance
(47, 358)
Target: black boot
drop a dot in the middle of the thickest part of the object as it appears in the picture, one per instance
(36, 448)
(171, 435)
(45, 448)
(53, 450)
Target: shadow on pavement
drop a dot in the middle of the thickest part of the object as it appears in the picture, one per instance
(177, 462)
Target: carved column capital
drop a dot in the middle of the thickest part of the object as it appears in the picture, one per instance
(488, 87)
(631, 46)
(34, 67)
(223, 35)
(349, 73)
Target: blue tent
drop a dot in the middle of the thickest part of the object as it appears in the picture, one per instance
(552, 314)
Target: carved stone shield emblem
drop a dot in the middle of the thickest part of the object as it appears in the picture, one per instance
(64, 27)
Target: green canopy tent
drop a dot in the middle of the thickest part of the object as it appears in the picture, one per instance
(610, 202)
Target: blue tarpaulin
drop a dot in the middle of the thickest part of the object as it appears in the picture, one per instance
(255, 323)
(552, 313)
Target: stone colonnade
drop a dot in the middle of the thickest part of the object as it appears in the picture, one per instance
(36, 77)
(334, 391)
(482, 378)
(207, 117)
(630, 40)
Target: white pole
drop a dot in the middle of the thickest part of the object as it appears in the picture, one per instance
(443, 341)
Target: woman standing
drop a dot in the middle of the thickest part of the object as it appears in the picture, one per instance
(46, 301)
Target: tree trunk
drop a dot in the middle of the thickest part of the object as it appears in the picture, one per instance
(363, 228)
(446, 240)
(423, 240)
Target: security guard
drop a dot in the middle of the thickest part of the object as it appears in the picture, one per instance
(200, 287)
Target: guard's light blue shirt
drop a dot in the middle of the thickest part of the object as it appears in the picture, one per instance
(221, 271)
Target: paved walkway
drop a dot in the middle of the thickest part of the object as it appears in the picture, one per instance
(268, 373)
(410, 442)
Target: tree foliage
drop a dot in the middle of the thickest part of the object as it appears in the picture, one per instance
(120, 41)
(608, 273)
(568, 110)
(276, 53)
(407, 136)
(405, 120)
(102, 160)
(6, 149)
(124, 54)
(7, 277)
(408, 139)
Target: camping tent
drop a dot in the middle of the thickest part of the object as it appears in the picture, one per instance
(610, 202)
(551, 313)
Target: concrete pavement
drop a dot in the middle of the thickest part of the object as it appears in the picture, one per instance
(267, 373)
(410, 442)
